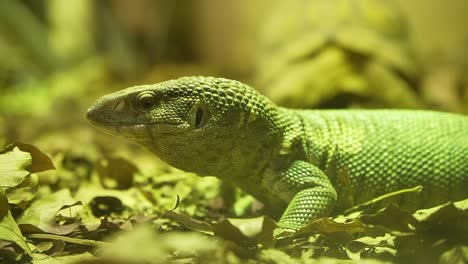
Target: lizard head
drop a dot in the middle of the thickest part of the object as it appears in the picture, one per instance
(204, 125)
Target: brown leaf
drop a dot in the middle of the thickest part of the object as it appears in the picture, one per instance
(40, 161)
(391, 217)
(116, 173)
(265, 237)
(327, 225)
(189, 222)
(446, 221)
(228, 231)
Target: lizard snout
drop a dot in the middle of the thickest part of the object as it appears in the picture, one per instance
(101, 112)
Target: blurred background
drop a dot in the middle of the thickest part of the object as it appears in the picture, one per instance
(56, 57)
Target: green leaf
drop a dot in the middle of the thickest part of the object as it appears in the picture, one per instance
(41, 215)
(9, 230)
(25, 191)
(260, 229)
(145, 245)
(384, 245)
(100, 202)
(457, 254)
(274, 256)
(18, 162)
(13, 167)
(69, 259)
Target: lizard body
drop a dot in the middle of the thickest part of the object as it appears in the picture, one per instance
(302, 163)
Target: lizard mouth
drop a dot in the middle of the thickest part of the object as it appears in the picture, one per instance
(139, 131)
(130, 124)
(103, 117)
(127, 130)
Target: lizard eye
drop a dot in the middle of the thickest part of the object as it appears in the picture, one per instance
(146, 101)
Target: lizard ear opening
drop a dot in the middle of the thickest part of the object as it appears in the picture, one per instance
(199, 115)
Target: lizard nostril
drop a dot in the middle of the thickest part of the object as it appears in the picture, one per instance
(119, 106)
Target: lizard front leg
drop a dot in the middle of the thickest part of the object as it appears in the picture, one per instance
(313, 195)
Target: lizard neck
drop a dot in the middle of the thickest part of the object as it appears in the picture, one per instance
(232, 152)
(306, 137)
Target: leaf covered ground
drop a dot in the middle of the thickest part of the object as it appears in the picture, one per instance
(67, 207)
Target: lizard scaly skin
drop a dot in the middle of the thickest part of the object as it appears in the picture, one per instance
(302, 163)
